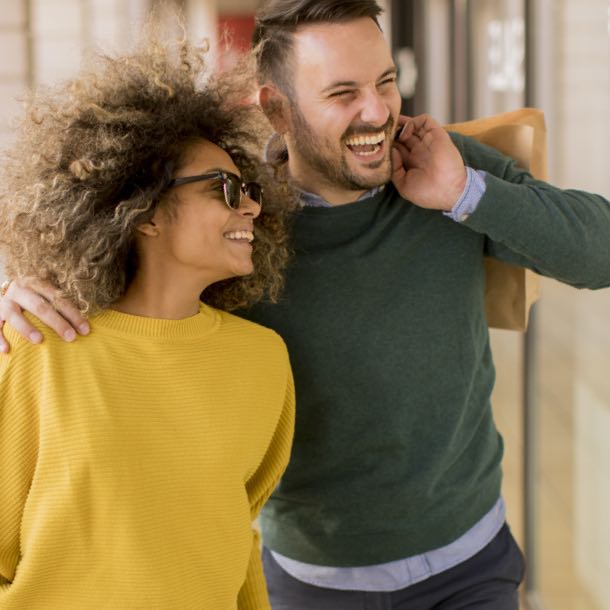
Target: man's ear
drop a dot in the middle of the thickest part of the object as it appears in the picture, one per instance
(275, 106)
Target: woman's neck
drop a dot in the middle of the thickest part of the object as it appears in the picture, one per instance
(167, 299)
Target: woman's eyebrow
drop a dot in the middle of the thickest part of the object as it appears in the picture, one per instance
(212, 170)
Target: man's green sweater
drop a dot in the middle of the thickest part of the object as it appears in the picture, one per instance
(396, 452)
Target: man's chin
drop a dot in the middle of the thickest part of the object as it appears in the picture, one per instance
(370, 177)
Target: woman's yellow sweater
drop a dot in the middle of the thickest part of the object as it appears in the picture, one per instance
(133, 461)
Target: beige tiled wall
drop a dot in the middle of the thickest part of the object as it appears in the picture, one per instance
(573, 528)
(575, 339)
(583, 95)
(13, 62)
(58, 36)
(574, 448)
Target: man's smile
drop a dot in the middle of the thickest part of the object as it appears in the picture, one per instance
(366, 145)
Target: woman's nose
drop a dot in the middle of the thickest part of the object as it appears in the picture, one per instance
(248, 207)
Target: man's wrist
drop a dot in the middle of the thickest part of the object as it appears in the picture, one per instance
(470, 197)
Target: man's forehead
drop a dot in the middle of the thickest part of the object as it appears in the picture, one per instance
(349, 51)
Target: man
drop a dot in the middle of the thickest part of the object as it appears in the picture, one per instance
(392, 497)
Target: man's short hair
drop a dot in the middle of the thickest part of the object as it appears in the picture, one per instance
(277, 21)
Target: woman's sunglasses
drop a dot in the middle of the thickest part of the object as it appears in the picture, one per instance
(232, 187)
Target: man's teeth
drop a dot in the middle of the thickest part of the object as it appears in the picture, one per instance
(363, 140)
(240, 235)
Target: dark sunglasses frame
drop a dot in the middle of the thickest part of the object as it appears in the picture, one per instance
(231, 186)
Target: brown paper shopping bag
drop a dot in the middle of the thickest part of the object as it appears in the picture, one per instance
(521, 134)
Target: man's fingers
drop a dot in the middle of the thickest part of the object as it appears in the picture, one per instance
(12, 314)
(424, 122)
(398, 162)
(63, 307)
(4, 346)
(68, 312)
(49, 316)
(412, 142)
(401, 147)
(405, 130)
(30, 296)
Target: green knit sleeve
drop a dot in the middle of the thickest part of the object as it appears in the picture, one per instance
(253, 594)
(18, 449)
(564, 234)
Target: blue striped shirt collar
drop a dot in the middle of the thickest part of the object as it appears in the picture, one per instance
(315, 201)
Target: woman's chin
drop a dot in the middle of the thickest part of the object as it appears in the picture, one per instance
(237, 271)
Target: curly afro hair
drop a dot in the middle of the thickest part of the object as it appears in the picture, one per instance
(93, 159)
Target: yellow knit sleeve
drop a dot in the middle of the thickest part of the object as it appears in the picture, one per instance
(18, 453)
(253, 594)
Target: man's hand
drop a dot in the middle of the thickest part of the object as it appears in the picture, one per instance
(41, 300)
(427, 168)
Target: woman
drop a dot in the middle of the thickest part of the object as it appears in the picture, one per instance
(133, 461)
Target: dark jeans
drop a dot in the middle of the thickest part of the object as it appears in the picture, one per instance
(487, 581)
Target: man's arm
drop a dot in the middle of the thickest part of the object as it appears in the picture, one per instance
(42, 300)
(564, 234)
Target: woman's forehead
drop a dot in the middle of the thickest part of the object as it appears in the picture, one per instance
(202, 155)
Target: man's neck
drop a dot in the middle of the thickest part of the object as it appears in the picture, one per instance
(334, 197)
(309, 182)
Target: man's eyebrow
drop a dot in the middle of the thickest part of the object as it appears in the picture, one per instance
(352, 83)
(340, 83)
(393, 71)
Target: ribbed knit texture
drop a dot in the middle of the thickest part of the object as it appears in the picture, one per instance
(133, 461)
(396, 452)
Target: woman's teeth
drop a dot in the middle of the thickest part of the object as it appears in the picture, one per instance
(238, 235)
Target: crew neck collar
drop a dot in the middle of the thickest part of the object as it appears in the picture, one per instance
(198, 325)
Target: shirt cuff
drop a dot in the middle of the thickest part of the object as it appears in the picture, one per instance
(470, 197)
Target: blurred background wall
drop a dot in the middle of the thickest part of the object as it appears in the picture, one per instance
(458, 59)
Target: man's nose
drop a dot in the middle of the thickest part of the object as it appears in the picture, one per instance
(374, 110)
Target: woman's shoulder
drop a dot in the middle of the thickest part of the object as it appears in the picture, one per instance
(25, 357)
(20, 343)
(251, 331)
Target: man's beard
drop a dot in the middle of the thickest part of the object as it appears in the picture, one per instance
(330, 163)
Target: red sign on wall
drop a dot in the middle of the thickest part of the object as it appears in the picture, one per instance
(235, 36)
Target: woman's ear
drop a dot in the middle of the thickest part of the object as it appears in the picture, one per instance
(149, 229)
(275, 106)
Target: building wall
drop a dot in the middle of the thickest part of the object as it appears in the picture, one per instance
(575, 333)
(14, 64)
